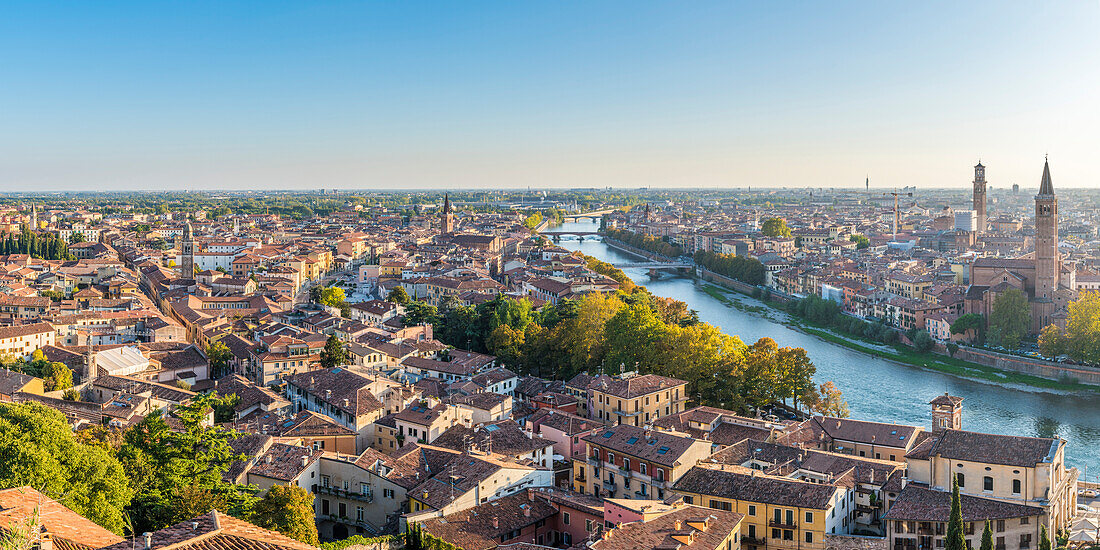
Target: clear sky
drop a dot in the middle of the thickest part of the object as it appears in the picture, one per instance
(311, 94)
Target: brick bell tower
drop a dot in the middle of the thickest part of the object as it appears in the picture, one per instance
(979, 196)
(1046, 239)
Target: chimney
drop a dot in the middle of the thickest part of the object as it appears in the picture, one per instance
(346, 403)
(305, 460)
(269, 459)
(328, 394)
(496, 523)
(526, 511)
(530, 494)
(148, 540)
(45, 540)
(194, 526)
(904, 481)
(678, 525)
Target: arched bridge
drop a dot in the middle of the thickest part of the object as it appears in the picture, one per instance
(653, 265)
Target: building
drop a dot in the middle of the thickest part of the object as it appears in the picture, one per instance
(211, 530)
(22, 340)
(918, 520)
(980, 208)
(187, 252)
(685, 528)
(630, 462)
(446, 217)
(778, 512)
(637, 400)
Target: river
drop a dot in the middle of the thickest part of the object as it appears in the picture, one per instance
(885, 391)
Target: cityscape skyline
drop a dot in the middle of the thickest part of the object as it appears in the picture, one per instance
(367, 96)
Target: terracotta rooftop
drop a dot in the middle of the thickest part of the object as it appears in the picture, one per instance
(214, 531)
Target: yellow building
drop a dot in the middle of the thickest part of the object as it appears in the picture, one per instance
(630, 462)
(779, 512)
(636, 400)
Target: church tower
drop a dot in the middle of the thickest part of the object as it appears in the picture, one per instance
(979, 196)
(187, 253)
(1047, 266)
(446, 218)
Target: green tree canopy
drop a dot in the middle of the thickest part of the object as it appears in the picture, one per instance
(287, 509)
(38, 448)
(775, 227)
(334, 354)
(218, 356)
(398, 295)
(1011, 317)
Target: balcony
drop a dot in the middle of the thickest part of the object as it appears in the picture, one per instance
(626, 472)
(350, 495)
(609, 485)
(625, 413)
(593, 461)
(745, 539)
(782, 525)
(580, 477)
(642, 495)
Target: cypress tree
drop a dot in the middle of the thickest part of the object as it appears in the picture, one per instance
(955, 539)
(1044, 539)
(987, 537)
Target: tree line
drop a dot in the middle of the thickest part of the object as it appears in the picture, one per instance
(740, 268)
(609, 333)
(44, 246)
(645, 242)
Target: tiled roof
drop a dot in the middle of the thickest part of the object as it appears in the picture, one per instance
(635, 386)
(688, 528)
(654, 446)
(1009, 450)
(504, 437)
(862, 431)
(67, 527)
(735, 482)
(921, 504)
(481, 527)
(214, 531)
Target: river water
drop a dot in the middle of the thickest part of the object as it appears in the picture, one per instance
(885, 391)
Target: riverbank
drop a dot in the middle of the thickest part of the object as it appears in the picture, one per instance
(900, 353)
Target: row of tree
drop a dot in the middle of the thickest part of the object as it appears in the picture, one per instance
(54, 375)
(614, 332)
(46, 246)
(645, 242)
(741, 268)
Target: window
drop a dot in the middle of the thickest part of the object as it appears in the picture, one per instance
(1024, 520)
(752, 509)
(987, 483)
(343, 510)
(324, 481)
(752, 531)
(626, 463)
(809, 518)
(788, 534)
(324, 507)
(1000, 526)
(1015, 486)
(689, 500)
(776, 534)
(565, 518)
(961, 479)
(719, 505)
(809, 537)
(359, 514)
(641, 468)
(790, 517)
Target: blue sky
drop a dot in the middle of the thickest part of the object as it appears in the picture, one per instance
(207, 95)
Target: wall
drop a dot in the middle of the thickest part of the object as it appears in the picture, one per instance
(1026, 365)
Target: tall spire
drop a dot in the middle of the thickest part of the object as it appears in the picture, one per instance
(446, 202)
(1046, 187)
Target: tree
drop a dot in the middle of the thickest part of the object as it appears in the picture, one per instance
(398, 295)
(1011, 315)
(38, 448)
(332, 296)
(1044, 538)
(1082, 335)
(315, 294)
(922, 341)
(987, 537)
(861, 241)
(218, 356)
(970, 324)
(1051, 341)
(831, 401)
(176, 473)
(420, 313)
(287, 509)
(775, 227)
(334, 354)
(955, 538)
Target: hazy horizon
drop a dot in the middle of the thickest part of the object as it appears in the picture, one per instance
(202, 96)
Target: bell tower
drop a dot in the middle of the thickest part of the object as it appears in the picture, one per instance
(446, 217)
(946, 413)
(1046, 239)
(979, 196)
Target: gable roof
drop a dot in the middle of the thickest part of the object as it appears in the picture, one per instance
(215, 531)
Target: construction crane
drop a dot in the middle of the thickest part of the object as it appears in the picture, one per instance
(897, 194)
